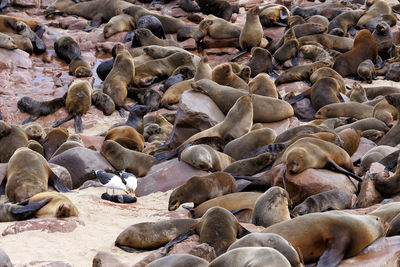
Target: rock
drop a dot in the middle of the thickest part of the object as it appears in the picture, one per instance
(150, 258)
(189, 44)
(80, 162)
(185, 246)
(283, 125)
(92, 141)
(50, 225)
(303, 110)
(376, 167)
(63, 174)
(25, 3)
(274, 32)
(364, 147)
(162, 178)
(368, 195)
(14, 58)
(296, 87)
(196, 112)
(204, 251)
(4, 259)
(311, 182)
(106, 259)
(384, 251)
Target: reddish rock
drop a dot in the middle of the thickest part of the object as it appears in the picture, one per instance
(376, 167)
(252, 227)
(94, 141)
(103, 259)
(161, 178)
(218, 43)
(296, 87)
(50, 225)
(303, 110)
(159, 253)
(281, 126)
(274, 32)
(25, 3)
(196, 112)
(80, 162)
(204, 251)
(368, 195)
(311, 182)
(14, 59)
(189, 44)
(185, 246)
(383, 252)
(364, 147)
(63, 174)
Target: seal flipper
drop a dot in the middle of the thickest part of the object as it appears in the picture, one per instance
(129, 36)
(129, 249)
(95, 23)
(334, 252)
(39, 46)
(238, 56)
(272, 73)
(3, 4)
(58, 123)
(32, 207)
(178, 239)
(3, 187)
(78, 124)
(30, 119)
(295, 61)
(58, 184)
(352, 31)
(39, 30)
(344, 171)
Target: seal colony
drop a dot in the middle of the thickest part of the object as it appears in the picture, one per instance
(243, 128)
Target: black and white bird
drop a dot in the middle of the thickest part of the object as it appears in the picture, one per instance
(129, 180)
(110, 180)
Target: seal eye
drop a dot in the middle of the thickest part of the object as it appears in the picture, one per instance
(174, 202)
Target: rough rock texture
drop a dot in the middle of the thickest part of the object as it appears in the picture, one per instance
(80, 162)
(368, 195)
(63, 174)
(49, 225)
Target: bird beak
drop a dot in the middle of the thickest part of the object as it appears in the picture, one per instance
(133, 192)
(127, 192)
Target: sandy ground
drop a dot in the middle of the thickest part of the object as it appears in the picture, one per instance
(103, 220)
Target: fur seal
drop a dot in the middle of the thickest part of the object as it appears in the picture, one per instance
(365, 124)
(350, 109)
(127, 137)
(358, 93)
(291, 133)
(53, 140)
(269, 240)
(314, 53)
(7, 42)
(199, 189)
(181, 74)
(364, 47)
(299, 73)
(384, 39)
(251, 165)
(146, 37)
(391, 138)
(152, 235)
(77, 102)
(103, 102)
(263, 85)
(341, 44)
(223, 74)
(308, 28)
(253, 256)
(219, 8)
(265, 109)
(179, 260)
(350, 140)
(67, 48)
(39, 46)
(73, 140)
(324, 91)
(330, 236)
(252, 32)
(28, 173)
(289, 47)
(36, 146)
(218, 28)
(328, 72)
(39, 108)
(135, 118)
(328, 200)
(80, 68)
(366, 70)
(375, 154)
(12, 137)
(344, 21)
(122, 158)
(205, 158)
(146, 96)
(119, 23)
(121, 75)
(153, 24)
(379, 8)
(271, 207)
(203, 70)
(260, 61)
(173, 94)
(274, 15)
(241, 146)
(385, 112)
(22, 42)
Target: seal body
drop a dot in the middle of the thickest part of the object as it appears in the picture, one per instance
(252, 32)
(67, 48)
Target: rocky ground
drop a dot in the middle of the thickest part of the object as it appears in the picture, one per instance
(76, 241)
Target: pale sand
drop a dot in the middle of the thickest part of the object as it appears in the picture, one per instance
(104, 221)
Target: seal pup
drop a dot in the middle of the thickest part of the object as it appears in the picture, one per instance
(269, 240)
(345, 21)
(77, 102)
(384, 39)
(366, 70)
(7, 42)
(28, 173)
(119, 23)
(80, 68)
(271, 207)
(199, 189)
(328, 200)
(289, 48)
(122, 74)
(12, 137)
(274, 15)
(219, 8)
(39, 46)
(53, 140)
(145, 38)
(135, 118)
(67, 48)
(252, 32)
(127, 137)
(329, 237)
(103, 102)
(39, 108)
(260, 61)
(223, 74)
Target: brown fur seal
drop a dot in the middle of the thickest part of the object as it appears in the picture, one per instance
(135, 118)
(251, 165)
(299, 130)
(299, 73)
(203, 70)
(252, 256)
(146, 37)
(7, 42)
(375, 154)
(344, 21)
(269, 240)
(364, 47)
(271, 207)
(274, 15)
(39, 108)
(121, 75)
(252, 32)
(365, 124)
(237, 122)
(241, 146)
(265, 109)
(60, 206)
(28, 173)
(22, 42)
(80, 68)
(53, 140)
(288, 49)
(350, 109)
(324, 91)
(328, 200)
(384, 39)
(78, 102)
(39, 46)
(179, 260)
(122, 158)
(12, 137)
(260, 61)
(152, 235)
(263, 85)
(308, 28)
(234, 201)
(379, 8)
(103, 102)
(120, 23)
(314, 53)
(127, 137)
(36, 146)
(358, 93)
(385, 112)
(73, 140)
(173, 93)
(328, 72)
(341, 44)
(350, 139)
(67, 48)
(224, 75)
(330, 236)
(205, 158)
(199, 189)
(366, 70)
(34, 131)
(392, 137)
(218, 28)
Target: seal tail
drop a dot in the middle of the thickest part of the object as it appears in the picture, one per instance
(78, 124)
